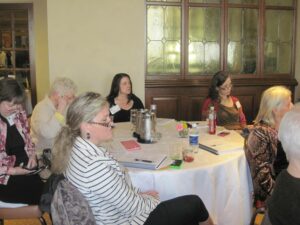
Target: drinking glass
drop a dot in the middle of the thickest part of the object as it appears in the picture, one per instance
(175, 150)
(133, 113)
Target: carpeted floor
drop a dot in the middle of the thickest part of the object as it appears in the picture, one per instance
(28, 221)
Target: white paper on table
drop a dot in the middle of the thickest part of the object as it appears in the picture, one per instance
(143, 160)
(221, 145)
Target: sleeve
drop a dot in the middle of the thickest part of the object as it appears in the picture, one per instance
(5, 163)
(242, 116)
(114, 190)
(260, 151)
(45, 122)
(22, 124)
(204, 109)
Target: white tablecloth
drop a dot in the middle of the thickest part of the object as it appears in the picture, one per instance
(222, 181)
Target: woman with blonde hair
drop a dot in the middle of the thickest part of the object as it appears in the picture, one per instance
(263, 150)
(78, 154)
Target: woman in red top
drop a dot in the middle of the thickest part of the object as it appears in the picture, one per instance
(228, 108)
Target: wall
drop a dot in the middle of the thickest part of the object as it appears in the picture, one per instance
(40, 43)
(90, 41)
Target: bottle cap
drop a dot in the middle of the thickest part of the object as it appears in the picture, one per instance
(152, 107)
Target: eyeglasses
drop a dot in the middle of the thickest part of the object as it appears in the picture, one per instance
(103, 124)
(226, 87)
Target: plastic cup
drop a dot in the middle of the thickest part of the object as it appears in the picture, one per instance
(188, 155)
(175, 151)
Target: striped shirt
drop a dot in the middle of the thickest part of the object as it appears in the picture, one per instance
(106, 186)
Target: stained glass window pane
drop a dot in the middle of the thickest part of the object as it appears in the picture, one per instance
(204, 40)
(280, 2)
(163, 39)
(243, 1)
(242, 40)
(278, 41)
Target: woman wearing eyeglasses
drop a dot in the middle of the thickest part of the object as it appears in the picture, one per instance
(79, 155)
(17, 152)
(228, 108)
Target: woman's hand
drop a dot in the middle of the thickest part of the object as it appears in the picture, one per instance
(17, 171)
(32, 163)
(62, 105)
(152, 193)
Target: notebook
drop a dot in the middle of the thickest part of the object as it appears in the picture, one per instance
(144, 161)
(222, 144)
(131, 145)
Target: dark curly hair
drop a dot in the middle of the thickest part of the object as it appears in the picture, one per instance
(217, 80)
(115, 87)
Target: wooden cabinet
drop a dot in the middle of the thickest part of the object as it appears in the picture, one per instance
(187, 41)
(16, 51)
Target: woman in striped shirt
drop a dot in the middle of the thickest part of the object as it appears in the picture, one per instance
(78, 154)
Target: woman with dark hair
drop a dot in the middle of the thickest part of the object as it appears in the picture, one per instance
(228, 108)
(121, 99)
(17, 153)
(79, 154)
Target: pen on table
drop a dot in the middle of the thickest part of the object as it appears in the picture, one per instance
(143, 160)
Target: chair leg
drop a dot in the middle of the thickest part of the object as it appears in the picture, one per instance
(256, 212)
(1, 221)
(42, 221)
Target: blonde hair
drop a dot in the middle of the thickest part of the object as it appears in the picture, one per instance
(271, 99)
(61, 85)
(83, 109)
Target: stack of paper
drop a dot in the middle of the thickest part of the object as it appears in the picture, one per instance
(222, 144)
(145, 161)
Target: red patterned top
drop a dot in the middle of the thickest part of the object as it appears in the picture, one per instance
(6, 161)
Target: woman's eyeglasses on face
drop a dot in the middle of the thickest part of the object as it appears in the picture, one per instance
(103, 124)
(226, 87)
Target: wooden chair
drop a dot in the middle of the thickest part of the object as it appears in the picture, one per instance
(24, 212)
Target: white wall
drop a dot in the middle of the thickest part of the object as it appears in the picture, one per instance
(90, 41)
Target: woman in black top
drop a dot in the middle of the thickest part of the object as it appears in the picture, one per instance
(121, 99)
(17, 153)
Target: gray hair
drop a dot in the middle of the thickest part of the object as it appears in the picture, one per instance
(83, 109)
(289, 134)
(271, 99)
(61, 85)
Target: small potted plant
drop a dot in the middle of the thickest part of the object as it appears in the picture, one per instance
(182, 129)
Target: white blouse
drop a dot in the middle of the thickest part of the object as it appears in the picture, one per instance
(106, 186)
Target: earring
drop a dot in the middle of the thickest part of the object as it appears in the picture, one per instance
(88, 136)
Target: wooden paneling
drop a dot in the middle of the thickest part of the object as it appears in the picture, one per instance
(183, 100)
(167, 106)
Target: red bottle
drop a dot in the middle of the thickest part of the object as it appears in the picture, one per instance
(212, 124)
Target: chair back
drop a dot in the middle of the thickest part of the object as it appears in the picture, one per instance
(69, 207)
